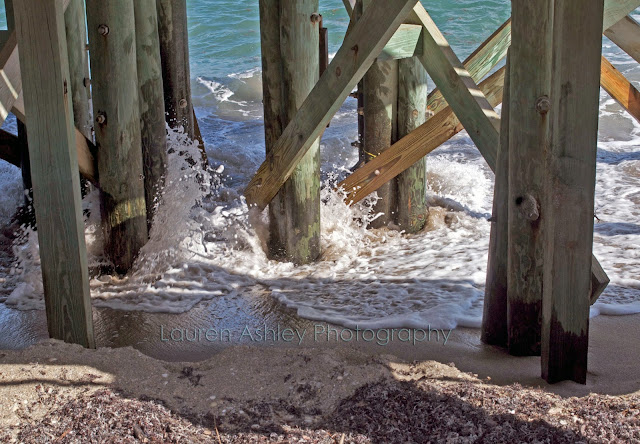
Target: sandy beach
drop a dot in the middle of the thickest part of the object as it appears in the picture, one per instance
(324, 392)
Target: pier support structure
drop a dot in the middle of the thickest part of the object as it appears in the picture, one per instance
(112, 42)
(151, 98)
(290, 40)
(54, 167)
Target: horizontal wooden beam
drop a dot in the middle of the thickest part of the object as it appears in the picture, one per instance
(9, 148)
(620, 89)
(361, 46)
(479, 63)
(405, 43)
(626, 34)
(417, 144)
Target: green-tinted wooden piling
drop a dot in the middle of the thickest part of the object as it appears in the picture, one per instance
(176, 74)
(75, 25)
(570, 188)
(290, 31)
(54, 164)
(528, 140)
(380, 104)
(112, 42)
(494, 318)
(412, 183)
(152, 110)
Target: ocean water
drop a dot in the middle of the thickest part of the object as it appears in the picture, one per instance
(207, 245)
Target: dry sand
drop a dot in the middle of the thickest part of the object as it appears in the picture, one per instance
(55, 392)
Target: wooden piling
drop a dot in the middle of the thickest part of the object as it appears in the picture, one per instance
(54, 164)
(528, 141)
(290, 41)
(380, 129)
(25, 168)
(75, 25)
(494, 317)
(570, 188)
(412, 183)
(112, 42)
(176, 74)
(152, 110)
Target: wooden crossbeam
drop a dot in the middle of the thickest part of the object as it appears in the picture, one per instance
(11, 100)
(404, 43)
(417, 144)
(479, 63)
(349, 5)
(461, 92)
(615, 10)
(361, 46)
(626, 34)
(620, 89)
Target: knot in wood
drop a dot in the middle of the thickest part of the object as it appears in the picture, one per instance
(543, 105)
(103, 30)
(529, 207)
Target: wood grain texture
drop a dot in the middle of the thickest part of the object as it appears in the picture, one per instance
(56, 183)
(458, 88)
(531, 60)
(615, 10)
(417, 144)
(626, 34)
(76, 31)
(480, 62)
(494, 317)
(620, 89)
(294, 213)
(176, 75)
(152, 111)
(10, 78)
(361, 46)
(571, 178)
(411, 184)
(404, 43)
(113, 62)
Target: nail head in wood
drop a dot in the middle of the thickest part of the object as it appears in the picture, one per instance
(103, 30)
(543, 105)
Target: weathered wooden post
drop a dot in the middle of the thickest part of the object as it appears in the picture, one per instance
(54, 164)
(152, 110)
(380, 128)
(112, 43)
(570, 188)
(494, 318)
(75, 25)
(531, 53)
(290, 36)
(412, 183)
(176, 74)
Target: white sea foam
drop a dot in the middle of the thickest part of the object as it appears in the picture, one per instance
(205, 242)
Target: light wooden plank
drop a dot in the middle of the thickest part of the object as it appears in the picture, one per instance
(494, 317)
(117, 129)
(620, 89)
(615, 10)
(404, 43)
(569, 198)
(461, 92)
(354, 58)
(56, 183)
(480, 62)
(626, 34)
(349, 5)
